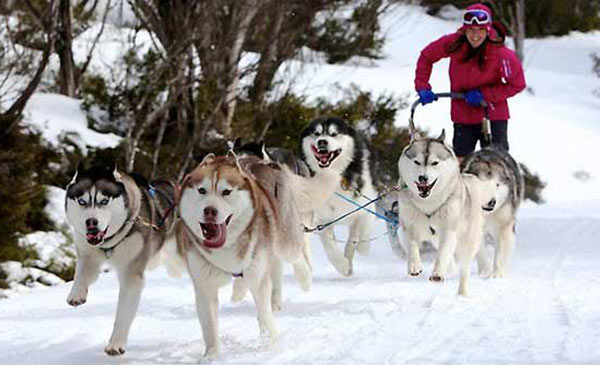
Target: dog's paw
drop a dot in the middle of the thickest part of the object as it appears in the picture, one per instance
(276, 303)
(77, 297)
(485, 272)
(415, 269)
(212, 353)
(435, 277)
(115, 349)
(497, 273)
(345, 268)
(363, 248)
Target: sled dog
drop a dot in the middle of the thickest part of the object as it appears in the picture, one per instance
(499, 167)
(238, 219)
(120, 219)
(282, 156)
(338, 156)
(439, 204)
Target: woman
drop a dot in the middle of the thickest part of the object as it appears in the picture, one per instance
(482, 68)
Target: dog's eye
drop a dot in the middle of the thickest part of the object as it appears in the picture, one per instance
(417, 163)
(317, 134)
(497, 185)
(226, 192)
(81, 202)
(333, 134)
(434, 163)
(103, 201)
(202, 191)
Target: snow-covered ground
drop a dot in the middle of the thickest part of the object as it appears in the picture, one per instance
(545, 311)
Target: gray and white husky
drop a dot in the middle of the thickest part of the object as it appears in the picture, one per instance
(499, 167)
(437, 203)
(338, 158)
(123, 220)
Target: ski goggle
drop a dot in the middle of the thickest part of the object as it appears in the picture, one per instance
(476, 16)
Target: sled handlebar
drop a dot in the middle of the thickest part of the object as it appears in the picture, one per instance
(453, 95)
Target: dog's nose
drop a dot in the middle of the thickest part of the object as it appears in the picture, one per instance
(210, 212)
(322, 143)
(492, 203)
(91, 222)
(422, 178)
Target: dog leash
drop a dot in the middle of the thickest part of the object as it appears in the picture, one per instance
(321, 227)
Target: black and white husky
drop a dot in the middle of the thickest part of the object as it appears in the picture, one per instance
(123, 220)
(337, 157)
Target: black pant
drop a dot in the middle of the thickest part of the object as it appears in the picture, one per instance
(466, 137)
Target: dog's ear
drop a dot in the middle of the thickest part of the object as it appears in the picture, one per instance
(209, 158)
(415, 136)
(442, 136)
(78, 170)
(116, 173)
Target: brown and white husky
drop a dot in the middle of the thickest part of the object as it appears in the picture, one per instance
(238, 218)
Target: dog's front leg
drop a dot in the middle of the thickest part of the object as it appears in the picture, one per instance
(261, 292)
(303, 266)
(131, 283)
(445, 254)
(276, 274)
(505, 243)
(207, 306)
(239, 290)
(341, 263)
(87, 270)
(415, 267)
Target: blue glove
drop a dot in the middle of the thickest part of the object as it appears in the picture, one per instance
(426, 96)
(474, 97)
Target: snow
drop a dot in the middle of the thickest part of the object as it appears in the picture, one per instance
(58, 117)
(545, 310)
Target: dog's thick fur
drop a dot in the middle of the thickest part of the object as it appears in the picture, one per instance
(238, 217)
(439, 204)
(338, 157)
(122, 219)
(498, 166)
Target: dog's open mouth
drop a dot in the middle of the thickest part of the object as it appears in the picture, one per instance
(215, 234)
(424, 188)
(94, 236)
(324, 156)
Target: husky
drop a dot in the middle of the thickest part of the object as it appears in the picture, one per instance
(499, 167)
(121, 219)
(278, 155)
(439, 204)
(238, 219)
(338, 156)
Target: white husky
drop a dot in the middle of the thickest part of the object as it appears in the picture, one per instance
(439, 204)
(238, 218)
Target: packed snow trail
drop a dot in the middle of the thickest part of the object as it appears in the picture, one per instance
(545, 311)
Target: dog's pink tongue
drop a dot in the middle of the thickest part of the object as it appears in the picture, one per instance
(214, 234)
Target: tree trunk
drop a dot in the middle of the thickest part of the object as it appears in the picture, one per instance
(64, 49)
(519, 36)
(232, 75)
(268, 64)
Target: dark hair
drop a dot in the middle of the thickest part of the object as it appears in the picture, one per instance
(478, 52)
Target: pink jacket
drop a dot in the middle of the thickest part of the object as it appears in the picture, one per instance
(501, 78)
